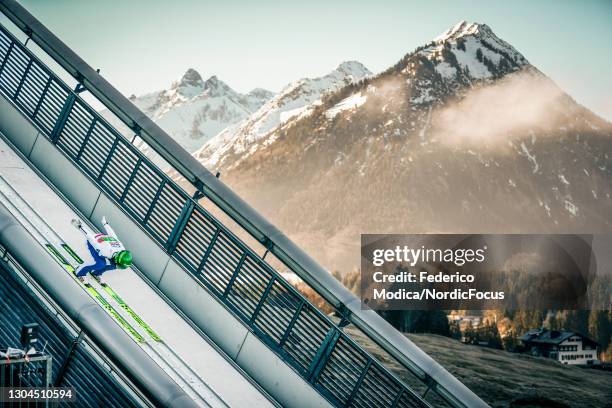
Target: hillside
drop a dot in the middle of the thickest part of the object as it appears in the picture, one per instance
(505, 379)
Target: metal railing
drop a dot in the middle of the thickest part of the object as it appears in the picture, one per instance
(34, 371)
(280, 316)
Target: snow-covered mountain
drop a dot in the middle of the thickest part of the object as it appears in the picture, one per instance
(466, 53)
(296, 100)
(461, 135)
(194, 110)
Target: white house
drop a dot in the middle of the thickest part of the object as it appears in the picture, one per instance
(564, 346)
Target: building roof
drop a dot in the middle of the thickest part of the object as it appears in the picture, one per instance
(545, 336)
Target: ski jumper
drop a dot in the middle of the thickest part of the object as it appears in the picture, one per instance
(103, 247)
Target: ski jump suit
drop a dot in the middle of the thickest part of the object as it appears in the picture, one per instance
(103, 247)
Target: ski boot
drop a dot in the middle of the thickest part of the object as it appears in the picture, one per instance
(99, 279)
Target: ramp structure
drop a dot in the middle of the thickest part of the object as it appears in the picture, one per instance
(179, 351)
(90, 350)
(225, 287)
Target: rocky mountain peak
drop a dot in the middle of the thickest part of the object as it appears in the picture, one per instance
(470, 37)
(463, 28)
(261, 93)
(464, 54)
(191, 77)
(190, 84)
(215, 87)
(353, 68)
(193, 110)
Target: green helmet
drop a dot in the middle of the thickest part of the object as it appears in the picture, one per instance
(123, 259)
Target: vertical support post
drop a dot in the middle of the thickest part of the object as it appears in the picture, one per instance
(359, 382)
(162, 184)
(108, 159)
(64, 367)
(429, 381)
(234, 274)
(320, 359)
(180, 225)
(11, 368)
(62, 118)
(42, 96)
(8, 55)
(296, 315)
(23, 78)
(181, 222)
(208, 250)
(398, 397)
(262, 300)
(130, 180)
(49, 372)
(86, 139)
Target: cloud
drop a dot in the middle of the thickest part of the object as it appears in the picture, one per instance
(491, 114)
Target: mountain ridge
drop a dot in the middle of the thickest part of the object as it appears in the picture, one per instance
(193, 110)
(296, 99)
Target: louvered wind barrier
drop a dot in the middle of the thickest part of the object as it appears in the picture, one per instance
(303, 336)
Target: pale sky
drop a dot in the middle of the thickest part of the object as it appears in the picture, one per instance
(143, 45)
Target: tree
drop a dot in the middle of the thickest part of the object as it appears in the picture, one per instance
(608, 356)
(470, 336)
(449, 56)
(552, 321)
(454, 330)
(490, 334)
(599, 327)
(490, 66)
(521, 322)
(438, 322)
(418, 321)
(466, 71)
(577, 320)
(461, 44)
(510, 343)
(535, 319)
(503, 65)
